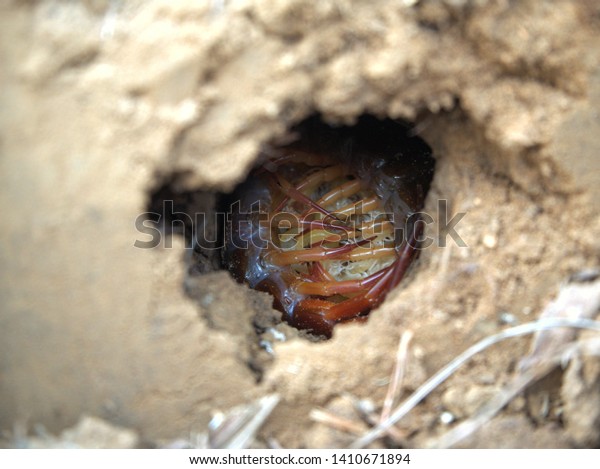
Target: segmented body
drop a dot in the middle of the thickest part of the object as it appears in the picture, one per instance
(327, 236)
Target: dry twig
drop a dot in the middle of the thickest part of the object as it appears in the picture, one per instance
(396, 383)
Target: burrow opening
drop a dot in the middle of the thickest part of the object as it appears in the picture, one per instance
(327, 222)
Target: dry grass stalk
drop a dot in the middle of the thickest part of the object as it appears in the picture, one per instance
(517, 385)
(448, 370)
(396, 383)
(237, 429)
(335, 421)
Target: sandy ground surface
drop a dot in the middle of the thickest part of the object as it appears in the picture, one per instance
(101, 102)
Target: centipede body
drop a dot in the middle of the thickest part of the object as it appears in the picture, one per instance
(329, 223)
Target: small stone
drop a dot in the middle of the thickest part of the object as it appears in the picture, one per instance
(447, 418)
(490, 241)
(465, 403)
(507, 318)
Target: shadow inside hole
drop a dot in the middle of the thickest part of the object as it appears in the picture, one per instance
(192, 215)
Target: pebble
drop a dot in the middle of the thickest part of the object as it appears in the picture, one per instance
(447, 418)
(490, 241)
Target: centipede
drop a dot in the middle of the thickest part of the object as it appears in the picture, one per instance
(330, 223)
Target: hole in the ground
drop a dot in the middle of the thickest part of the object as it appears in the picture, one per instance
(329, 223)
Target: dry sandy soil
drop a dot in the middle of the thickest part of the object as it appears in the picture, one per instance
(102, 102)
